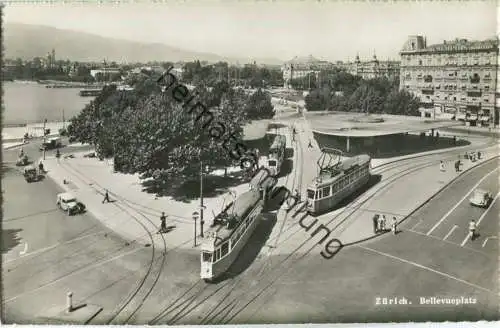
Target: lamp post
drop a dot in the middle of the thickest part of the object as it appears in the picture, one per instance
(202, 207)
(195, 217)
(44, 137)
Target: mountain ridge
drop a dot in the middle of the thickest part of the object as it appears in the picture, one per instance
(27, 41)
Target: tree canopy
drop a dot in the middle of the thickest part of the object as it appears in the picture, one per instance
(345, 92)
(148, 132)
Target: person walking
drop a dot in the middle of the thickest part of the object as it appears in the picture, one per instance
(310, 144)
(394, 225)
(472, 229)
(381, 223)
(375, 223)
(478, 155)
(441, 166)
(163, 226)
(457, 166)
(40, 166)
(106, 197)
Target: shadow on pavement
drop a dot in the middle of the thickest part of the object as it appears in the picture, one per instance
(251, 250)
(10, 239)
(286, 168)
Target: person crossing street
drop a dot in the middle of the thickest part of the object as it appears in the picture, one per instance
(106, 197)
(394, 225)
(163, 226)
(472, 230)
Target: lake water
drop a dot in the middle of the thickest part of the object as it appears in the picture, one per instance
(30, 102)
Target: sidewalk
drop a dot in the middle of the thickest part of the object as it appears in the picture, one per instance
(14, 134)
(129, 213)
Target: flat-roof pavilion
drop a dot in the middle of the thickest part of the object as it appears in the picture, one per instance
(360, 125)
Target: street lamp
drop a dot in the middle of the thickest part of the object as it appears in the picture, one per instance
(195, 217)
(202, 207)
(44, 137)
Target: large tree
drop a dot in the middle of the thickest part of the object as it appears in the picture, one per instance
(259, 105)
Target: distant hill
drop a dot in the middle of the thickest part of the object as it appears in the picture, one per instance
(27, 41)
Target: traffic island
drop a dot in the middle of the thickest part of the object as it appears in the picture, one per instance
(76, 314)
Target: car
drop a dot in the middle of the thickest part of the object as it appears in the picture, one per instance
(480, 197)
(68, 203)
(31, 174)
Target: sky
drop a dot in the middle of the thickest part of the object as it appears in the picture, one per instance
(330, 30)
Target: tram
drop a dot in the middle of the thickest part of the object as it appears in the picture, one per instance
(276, 154)
(337, 182)
(228, 234)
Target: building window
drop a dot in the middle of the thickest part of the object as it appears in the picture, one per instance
(224, 249)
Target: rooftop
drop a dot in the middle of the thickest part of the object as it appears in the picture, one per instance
(362, 125)
(458, 45)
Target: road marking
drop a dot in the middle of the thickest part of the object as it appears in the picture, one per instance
(41, 250)
(25, 249)
(448, 242)
(425, 268)
(449, 233)
(460, 201)
(481, 219)
(491, 237)
(72, 274)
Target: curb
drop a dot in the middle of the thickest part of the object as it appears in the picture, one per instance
(444, 187)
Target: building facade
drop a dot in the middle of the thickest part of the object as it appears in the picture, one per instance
(373, 68)
(300, 67)
(455, 79)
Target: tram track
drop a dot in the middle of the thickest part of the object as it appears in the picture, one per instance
(282, 267)
(185, 303)
(219, 312)
(397, 165)
(193, 302)
(142, 282)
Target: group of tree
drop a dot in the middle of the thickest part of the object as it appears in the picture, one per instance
(148, 132)
(345, 92)
(250, 75)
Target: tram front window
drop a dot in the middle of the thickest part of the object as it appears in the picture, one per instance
(310, 193)
(207, 257)
(272, 163)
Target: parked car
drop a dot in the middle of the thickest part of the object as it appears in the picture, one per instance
(481, 198)
(52, 143)
(31, 174)
(68, 203)
(22, 160)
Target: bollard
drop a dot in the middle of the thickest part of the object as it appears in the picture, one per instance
(69, 302)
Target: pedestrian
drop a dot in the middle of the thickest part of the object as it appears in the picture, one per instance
(472, 229)
(457, 166)
(441, 166)
(163, 219)
(478, 155)
(375, 223)
(394, 225)
(106, 197)
(454, 140)
(297, 195)
(381, 223)
(40, 166)
(58, 154)
(310, 144)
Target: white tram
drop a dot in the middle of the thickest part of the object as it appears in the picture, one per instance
(276, 154)
(330, 187)
(229, 233)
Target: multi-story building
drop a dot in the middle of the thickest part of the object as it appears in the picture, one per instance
(457, 78)
(300, 67)
(373, 68)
